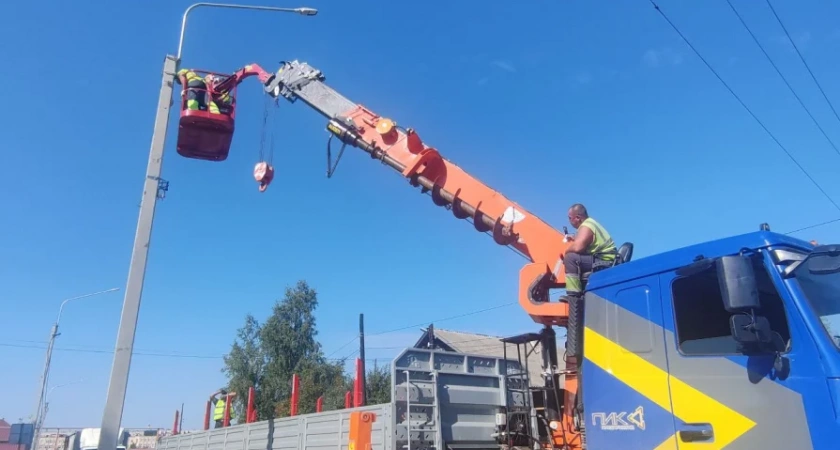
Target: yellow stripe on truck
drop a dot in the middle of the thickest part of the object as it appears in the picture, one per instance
(652, 382)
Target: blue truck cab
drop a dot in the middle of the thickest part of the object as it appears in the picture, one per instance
(733, 344)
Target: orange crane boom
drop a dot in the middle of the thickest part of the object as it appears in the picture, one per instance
(449, 186)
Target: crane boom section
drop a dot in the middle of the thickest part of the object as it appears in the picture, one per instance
(449, 186)
(240, 75)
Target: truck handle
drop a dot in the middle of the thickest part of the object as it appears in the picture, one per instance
(696, 432)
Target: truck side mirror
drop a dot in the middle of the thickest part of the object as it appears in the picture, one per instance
(749, 329)
(737, 283)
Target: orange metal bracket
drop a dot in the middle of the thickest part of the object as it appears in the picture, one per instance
(361, 424)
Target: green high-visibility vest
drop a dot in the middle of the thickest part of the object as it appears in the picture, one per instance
(602, 244)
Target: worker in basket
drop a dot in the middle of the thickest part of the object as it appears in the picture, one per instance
(222, 99)
(218, 400)
(196, 91)
(590, 248)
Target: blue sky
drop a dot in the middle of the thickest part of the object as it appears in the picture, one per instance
(601, 104)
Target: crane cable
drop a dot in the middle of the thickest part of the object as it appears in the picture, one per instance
(744, 105)
(268, 113)
(264, 169)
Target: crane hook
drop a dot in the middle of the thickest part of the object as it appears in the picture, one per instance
(263, 173)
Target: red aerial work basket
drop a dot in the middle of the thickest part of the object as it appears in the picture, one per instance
(203, 134)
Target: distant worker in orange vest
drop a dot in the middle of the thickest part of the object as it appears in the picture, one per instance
(592, 245)
(195, 89)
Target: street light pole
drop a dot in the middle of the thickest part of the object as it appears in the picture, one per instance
(45, 375)
(47, 397)
(154, 187)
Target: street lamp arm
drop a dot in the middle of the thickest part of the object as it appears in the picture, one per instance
(61, 308)
(80, 380)
(301, 11)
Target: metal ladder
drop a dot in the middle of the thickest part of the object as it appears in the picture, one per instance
(434, 416)
(520, 377)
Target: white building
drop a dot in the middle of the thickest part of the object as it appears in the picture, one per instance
(138, 441)
(52, 441)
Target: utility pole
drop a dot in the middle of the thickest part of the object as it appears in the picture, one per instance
(154, 188)
(431, 333)
(362, 357)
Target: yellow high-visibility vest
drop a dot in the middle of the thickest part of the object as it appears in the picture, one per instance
(219, 412)
(602, 244)
(190, 75)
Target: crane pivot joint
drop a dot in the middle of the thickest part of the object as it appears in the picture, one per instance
(290, 78)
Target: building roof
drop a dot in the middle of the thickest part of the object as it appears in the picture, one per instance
(485, 345)
(5, 430)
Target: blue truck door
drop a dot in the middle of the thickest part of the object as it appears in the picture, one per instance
(722, 398)
(627, 404)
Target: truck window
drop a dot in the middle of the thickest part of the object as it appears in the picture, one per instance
(702, 323)
(820, 290)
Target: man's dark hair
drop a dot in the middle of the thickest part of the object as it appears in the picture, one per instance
(579, 209)
(223, 391)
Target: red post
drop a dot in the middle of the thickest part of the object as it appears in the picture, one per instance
(357, 384)
(348, 400)
(227, 410)
(319, 404)
(175, 425)
(295, 395)
(250, 415)
(207, 416)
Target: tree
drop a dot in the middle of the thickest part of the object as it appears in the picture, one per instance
(245, 364)
(378, 385)
(288, 339)
(267, 355)
(316, 380)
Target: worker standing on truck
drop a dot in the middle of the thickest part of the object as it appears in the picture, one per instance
(196, 91)
(592, 245)
(219, 407)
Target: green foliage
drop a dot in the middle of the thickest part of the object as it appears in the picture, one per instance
(267, 355)
(378, 383)
(245, 365)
